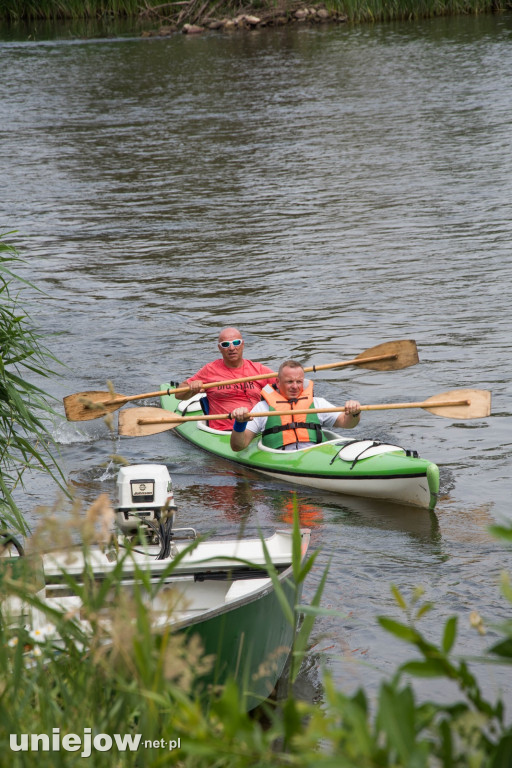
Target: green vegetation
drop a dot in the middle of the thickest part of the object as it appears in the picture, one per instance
(146, 688)
(391, 10)
(352, 10)
(25, 440)
(67, 9)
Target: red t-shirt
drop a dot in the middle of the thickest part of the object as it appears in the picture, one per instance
(230, 396)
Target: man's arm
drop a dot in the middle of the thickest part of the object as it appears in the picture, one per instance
(240, 436)
(350, 418)
(193, 388)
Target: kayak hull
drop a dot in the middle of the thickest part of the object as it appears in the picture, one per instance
(365, 468)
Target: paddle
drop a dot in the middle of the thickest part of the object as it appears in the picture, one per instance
(456, 404)
(390, 356)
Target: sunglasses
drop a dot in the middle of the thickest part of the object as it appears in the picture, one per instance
(227, 344)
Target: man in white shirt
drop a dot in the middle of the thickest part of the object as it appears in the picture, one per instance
(290, 432)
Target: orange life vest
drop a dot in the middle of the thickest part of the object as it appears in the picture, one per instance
(284, 430)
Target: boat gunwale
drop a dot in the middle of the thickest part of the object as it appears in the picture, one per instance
(266, 588)
(261, 592)
(236, 459)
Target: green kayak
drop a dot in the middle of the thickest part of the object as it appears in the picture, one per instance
(341, 464)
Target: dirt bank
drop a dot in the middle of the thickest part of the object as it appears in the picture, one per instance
(195, 23)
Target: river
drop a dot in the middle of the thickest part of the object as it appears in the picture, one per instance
(324, 189)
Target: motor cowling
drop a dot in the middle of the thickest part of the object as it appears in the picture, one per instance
(143, 490)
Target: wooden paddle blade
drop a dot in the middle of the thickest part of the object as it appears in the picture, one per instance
(460, 404)
(402, 354)
(86, 406)
(128, 424)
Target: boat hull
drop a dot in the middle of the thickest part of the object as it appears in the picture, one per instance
(247, 645)
(363, 468)
(220, 590)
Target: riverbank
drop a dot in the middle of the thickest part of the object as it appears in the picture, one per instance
(197, 16)
(249, 19)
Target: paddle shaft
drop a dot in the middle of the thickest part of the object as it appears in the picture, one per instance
(266, 414)
(269, 375)
(389, 356)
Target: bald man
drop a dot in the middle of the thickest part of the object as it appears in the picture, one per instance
(290, 433)
(232, 365)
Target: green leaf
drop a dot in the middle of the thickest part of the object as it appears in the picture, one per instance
(450, 633)
(398, 597)
(428, 668)
(302, 637)
(292, 719)
(296, 543)
(409, 634)
(309, 563)
(502, 757)
(423, 610)
(278, 588)
(501, 532)
(396, 719)
(503, 648)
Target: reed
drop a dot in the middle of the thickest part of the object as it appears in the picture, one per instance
(142, 685)
(401, 10)
(14, 10)
(25, 411)
(354, 10)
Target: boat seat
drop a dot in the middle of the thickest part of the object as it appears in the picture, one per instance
(204, 426)
(187, 405)
(244, 587)
(187, 408)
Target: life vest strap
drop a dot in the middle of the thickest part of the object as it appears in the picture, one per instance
(295, 425)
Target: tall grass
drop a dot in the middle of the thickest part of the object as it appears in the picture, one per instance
(25, 439)
(354, 10)
(104, 678)
(67, 9)
(394, 10)
(102, 669)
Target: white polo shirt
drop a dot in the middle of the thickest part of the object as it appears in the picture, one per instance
(257, 425)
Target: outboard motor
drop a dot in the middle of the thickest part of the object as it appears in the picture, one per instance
(143, 492)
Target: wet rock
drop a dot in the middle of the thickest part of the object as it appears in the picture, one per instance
(245, 21)
(167, 30)
(296, 12)
(192, 29)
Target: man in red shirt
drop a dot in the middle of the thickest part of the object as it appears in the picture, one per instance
(226, 398)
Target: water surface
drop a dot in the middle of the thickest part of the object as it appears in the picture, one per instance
(325, 189)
